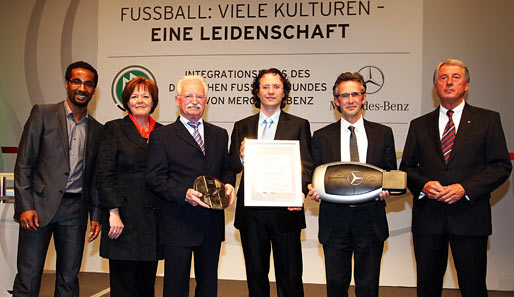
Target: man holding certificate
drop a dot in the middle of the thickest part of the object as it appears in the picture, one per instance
(358, 229)
(264, 228)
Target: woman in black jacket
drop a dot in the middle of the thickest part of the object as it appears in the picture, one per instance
(129, 223)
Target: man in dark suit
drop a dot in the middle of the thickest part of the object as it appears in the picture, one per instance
(54, 185)
(179, 153)
(358, 229)
(455, 156)
(271, 227)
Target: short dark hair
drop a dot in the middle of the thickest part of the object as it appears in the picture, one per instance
(348, 76)
(257, 81)
(84, 65)
(134, 84)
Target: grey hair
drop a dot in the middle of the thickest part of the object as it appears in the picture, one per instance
(188, 78)
(452, 62)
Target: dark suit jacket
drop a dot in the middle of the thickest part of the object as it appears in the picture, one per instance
(326, 148)
(289, 128)
(174, 162)
(120, 175)
(42, 165)
(479, 161)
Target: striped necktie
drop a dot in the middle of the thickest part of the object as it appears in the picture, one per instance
(197, 136)
(448, 137)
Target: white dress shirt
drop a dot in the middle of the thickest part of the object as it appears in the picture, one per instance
(362, 140)
(262, 124)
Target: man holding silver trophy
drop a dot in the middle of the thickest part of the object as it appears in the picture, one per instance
(357, 228)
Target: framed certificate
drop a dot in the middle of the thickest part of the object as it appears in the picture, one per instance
(272, 173)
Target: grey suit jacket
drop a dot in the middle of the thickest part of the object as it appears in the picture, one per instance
(42, 165)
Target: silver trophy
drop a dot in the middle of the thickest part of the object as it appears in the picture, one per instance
(354, 182)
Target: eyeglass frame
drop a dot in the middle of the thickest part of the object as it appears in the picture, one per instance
(78, 82)
(348, 95)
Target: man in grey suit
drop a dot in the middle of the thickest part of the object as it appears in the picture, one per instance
(54, 187)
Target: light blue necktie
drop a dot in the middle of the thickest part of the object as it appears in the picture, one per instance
(267, 133)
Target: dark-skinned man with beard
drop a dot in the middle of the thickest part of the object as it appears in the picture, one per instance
(54, 186)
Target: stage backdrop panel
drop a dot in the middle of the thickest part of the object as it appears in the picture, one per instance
(227, 42)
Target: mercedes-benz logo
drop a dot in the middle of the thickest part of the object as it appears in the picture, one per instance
(373, 77)
(355, 178)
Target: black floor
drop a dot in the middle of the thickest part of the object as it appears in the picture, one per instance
(97, 284)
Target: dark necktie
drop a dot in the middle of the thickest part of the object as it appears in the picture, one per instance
(354, 150)
(197, 136)
(448, 137)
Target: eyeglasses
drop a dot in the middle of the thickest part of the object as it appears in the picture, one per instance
(77, 83)
(275, 87)
(191, 96)
(348, 95)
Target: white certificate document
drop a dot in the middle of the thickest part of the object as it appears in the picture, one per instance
(272, 173)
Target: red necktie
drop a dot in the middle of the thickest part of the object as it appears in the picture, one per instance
(448, 137)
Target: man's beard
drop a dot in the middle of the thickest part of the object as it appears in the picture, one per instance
(80, 103)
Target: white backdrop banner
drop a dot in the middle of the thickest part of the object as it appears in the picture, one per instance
(227, 42)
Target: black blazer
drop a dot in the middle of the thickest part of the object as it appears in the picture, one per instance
(479, 161)
(120, 175)
(174, 162)
(326, 148)
(42, 165)
(289, 128)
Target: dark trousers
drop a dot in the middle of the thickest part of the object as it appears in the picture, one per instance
(177, 268)
(68, 231)
(361, 241)
(258, 238)
(132, 278)
(469, 255)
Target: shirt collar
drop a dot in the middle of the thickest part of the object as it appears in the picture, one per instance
(274, 117)
(359, 125)
(458, 109)
(69, 113)
(186, 121)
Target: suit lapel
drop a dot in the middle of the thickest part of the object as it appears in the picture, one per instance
(432, 127)
(184, 134)
(370, 135)
(283, 126)
(253, 125)
(465, 127)
(129, 130)
(61, 117)
(334, 138)
(208, 137)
